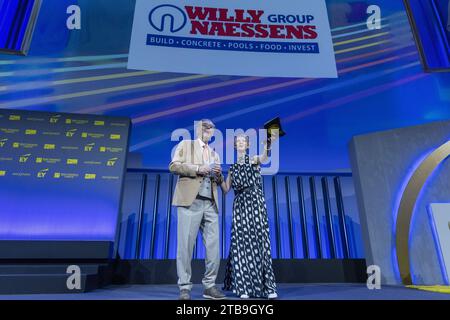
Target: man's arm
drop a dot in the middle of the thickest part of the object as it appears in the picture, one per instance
(180, 164)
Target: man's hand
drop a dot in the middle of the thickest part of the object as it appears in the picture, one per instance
(217, 170)
(203, 170)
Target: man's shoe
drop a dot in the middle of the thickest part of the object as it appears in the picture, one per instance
(213, 293)
(185, 294)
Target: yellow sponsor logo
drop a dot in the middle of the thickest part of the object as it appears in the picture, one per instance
(49, 146)
(111, 162)
(55, 119)
(102, 149)
(9, 131)
(38, 160)
(2, 173)
(14, 117)
(71, 133)
(72, 161)
(115, 137)
(57, 175)
(84, 135)
(3, 142)
(42, 173)
(24, 158)
(99, 123)
(30, 132)
(16, 145)
(68, 121)
(90, 176)
(89, 147)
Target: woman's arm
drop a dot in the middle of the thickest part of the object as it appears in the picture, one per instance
(226, 184)
(260, 159)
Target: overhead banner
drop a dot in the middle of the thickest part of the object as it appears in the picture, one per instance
(273, 38)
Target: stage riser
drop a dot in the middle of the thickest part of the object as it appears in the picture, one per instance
(286, 271)
(48, 278)
(43, 283)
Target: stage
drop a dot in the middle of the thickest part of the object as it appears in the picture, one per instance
(285, 291)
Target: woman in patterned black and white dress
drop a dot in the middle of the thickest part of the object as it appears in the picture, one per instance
(249, 271)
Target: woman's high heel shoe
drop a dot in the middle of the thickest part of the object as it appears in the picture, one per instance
(272, 296)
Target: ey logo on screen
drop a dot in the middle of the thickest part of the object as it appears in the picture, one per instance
(14, 117)
(49, 147)
(70, 133)
(3, 142)
(72, 161)
(24, 158)
(99, 123)
(55, 119)
(42, 173)
(90, 176)
(2, 173)
(30, 132)
(89, 147)
(111, 162)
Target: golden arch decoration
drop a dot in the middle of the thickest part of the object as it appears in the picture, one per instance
(407, 204)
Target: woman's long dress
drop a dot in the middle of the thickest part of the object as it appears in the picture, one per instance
(249, 268)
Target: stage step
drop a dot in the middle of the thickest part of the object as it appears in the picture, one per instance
(48, 278)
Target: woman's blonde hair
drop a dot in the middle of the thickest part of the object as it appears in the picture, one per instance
(241, 135)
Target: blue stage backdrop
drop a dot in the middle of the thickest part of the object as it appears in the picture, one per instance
(381, 84)
(60, 175)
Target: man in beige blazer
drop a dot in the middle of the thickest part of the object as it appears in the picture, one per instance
(196, 197)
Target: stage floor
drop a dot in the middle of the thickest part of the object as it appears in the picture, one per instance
(285, 291)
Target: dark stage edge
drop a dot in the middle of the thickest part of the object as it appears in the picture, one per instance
(286, 271)
(346, 291)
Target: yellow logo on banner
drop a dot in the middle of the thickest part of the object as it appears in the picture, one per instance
(111, 162)
(68, 121)
(89, 147)
(30, 132)
(115, 137)
(57, 175)
(14, 118)
(2, 173)
(102, 149)
(99, 123)
(84, 135)
(72, 161)
(15, 145)
(49, 146)
(24, 158)
(90, 176)
(38, 160)
(3, 142)
(71, 133)
(54, 119)
(42, 173)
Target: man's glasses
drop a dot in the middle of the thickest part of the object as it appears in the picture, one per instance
(208, 126)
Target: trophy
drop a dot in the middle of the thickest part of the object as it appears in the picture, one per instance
(271, 127)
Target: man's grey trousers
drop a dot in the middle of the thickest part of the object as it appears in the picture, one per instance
(203, 215)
